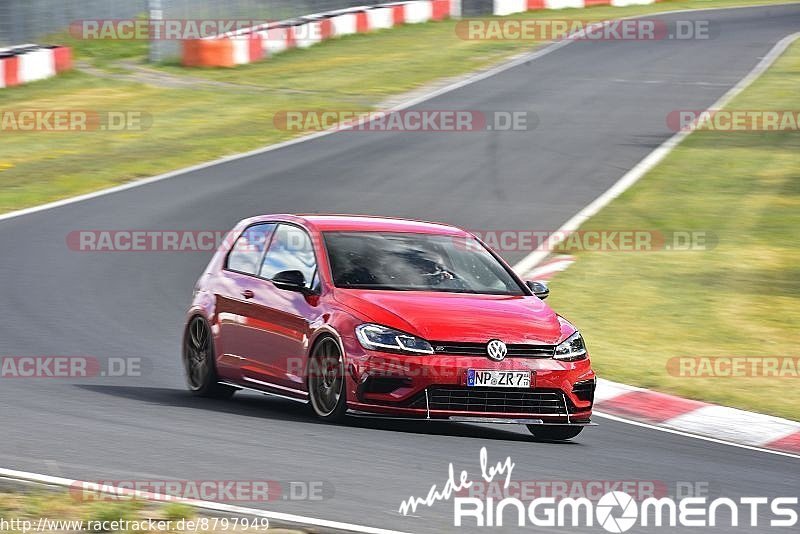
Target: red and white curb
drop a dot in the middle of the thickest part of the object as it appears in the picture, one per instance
(698, 418)
(29, 63)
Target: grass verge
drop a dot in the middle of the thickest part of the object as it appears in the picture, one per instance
(740, 298)
(223, 112)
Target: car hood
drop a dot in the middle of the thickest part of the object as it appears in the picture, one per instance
(468, 318)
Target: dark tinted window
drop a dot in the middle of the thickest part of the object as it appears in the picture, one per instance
(400, 261)
(291, 250)
(246, 254)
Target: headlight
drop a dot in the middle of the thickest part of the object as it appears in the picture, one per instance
(377, 337)
(571, 349)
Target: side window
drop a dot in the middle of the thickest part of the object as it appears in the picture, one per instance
(291, 250)
(248, 250)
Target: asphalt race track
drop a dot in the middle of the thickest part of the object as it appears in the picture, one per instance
(602, 108)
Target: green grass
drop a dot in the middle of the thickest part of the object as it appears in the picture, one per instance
(63, 505)
(38, 504)
(107, 511)
(176, 511)
(207, 121)
(742, 297)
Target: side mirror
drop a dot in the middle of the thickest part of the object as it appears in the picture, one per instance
(539, 289)
(290, 281)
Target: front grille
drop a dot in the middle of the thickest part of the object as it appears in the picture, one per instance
(486, 400)
(479, 349)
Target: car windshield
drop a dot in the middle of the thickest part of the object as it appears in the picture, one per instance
(416, 262)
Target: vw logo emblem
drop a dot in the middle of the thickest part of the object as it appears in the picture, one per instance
(496, 350)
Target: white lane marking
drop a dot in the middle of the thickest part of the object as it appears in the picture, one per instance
(694, 436)
(646, 165)
(204, 505)
(513, 62)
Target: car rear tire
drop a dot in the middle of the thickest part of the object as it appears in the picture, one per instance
(326, 381)
(199, 362)
(554, 432)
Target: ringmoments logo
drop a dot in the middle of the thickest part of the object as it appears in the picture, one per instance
(617, 500)
(614, 511)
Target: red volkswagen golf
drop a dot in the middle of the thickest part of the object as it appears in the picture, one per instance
(380, 317)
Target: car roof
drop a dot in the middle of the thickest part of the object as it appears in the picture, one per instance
(367, 223)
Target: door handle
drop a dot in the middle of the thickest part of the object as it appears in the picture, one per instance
(248, 294)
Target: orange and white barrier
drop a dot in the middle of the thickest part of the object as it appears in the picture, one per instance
(29, 63)
(381, 18)
(274, 40)
(254, 44)
(418, 12)
(344, 24)
(623, 3)
(307, 34)
(509, 7)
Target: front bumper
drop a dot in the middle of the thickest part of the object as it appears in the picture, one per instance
(434, 387)
(472, 419)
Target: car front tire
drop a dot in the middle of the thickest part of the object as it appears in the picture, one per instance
(327, 381)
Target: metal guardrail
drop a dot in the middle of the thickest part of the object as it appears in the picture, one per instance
(26, 21)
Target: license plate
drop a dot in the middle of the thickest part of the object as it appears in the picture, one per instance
(498, 379)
